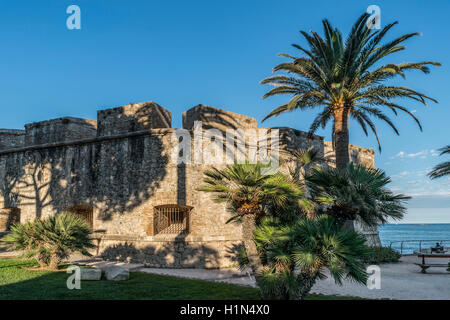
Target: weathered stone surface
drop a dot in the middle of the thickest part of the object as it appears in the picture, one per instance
(90, 274)
(360, 155)
(216, 118)
(10, 138)
(116, 273)
(133, 117)
(123, 173)
(8, 216)
(191, 253)
(59, 130)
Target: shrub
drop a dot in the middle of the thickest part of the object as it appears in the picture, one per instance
(295, 255)
(52, 239)
(382, 255)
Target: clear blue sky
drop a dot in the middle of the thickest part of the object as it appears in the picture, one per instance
(182, 53)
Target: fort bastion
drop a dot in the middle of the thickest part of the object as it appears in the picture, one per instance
(118, 172)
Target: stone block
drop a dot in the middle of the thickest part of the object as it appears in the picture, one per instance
(116, 273)
(90, 274)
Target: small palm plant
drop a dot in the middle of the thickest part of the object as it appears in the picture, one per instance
(52, 239)
(442, 169)
(296, 255)
(251, 195)
(356, 192)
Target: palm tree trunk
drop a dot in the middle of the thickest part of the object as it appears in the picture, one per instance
(306, 282)
(341, 137)
(248, 227)
(54, 263)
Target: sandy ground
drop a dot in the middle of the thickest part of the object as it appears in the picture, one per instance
(398, 281)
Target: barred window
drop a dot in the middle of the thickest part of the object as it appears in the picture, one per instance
(171, 219)
(83, 211)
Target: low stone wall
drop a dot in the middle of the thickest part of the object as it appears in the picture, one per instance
(175, 253)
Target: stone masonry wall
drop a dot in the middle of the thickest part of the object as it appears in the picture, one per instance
(358, 154)
(133, 117)
(59, 130)
(122, 175)
(11, 138)
(216, 118)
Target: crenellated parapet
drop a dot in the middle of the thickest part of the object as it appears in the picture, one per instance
(11, 138)
(59, 130)
(133, 117)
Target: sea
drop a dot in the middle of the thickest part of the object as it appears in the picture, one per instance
(414, 236)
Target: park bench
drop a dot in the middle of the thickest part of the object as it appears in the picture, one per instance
(425, 265)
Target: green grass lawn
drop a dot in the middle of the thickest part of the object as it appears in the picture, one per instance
(17, 282)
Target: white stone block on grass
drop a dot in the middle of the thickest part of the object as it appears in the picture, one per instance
(116, 273)
(90, 274)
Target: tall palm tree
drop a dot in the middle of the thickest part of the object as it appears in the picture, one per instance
(251, 195)
(442, 169)
(344, 80)
(356, 192)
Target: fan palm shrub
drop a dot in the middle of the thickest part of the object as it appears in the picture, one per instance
(52, 239)
(442, 169)
(346, 80)
(357, 192)
(250, 195)
(296, 255)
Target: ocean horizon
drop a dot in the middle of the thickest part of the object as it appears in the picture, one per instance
(414, 235)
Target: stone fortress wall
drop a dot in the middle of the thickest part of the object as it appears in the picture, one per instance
(118, 169)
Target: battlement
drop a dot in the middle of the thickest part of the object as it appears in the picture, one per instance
(148, 117)
(59, 130)
(133, 117)
(11, 138)
(216, 118)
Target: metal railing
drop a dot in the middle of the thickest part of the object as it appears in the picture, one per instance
(420, 243)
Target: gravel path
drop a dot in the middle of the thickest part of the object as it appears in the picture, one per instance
(401, 281)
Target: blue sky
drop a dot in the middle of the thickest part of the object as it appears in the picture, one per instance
(182, 53)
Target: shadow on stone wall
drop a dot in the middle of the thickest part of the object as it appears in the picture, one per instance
(114, 176)
(174, 254)
(12, 175)
(232, 253)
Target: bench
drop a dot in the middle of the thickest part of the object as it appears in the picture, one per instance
(425, 265)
